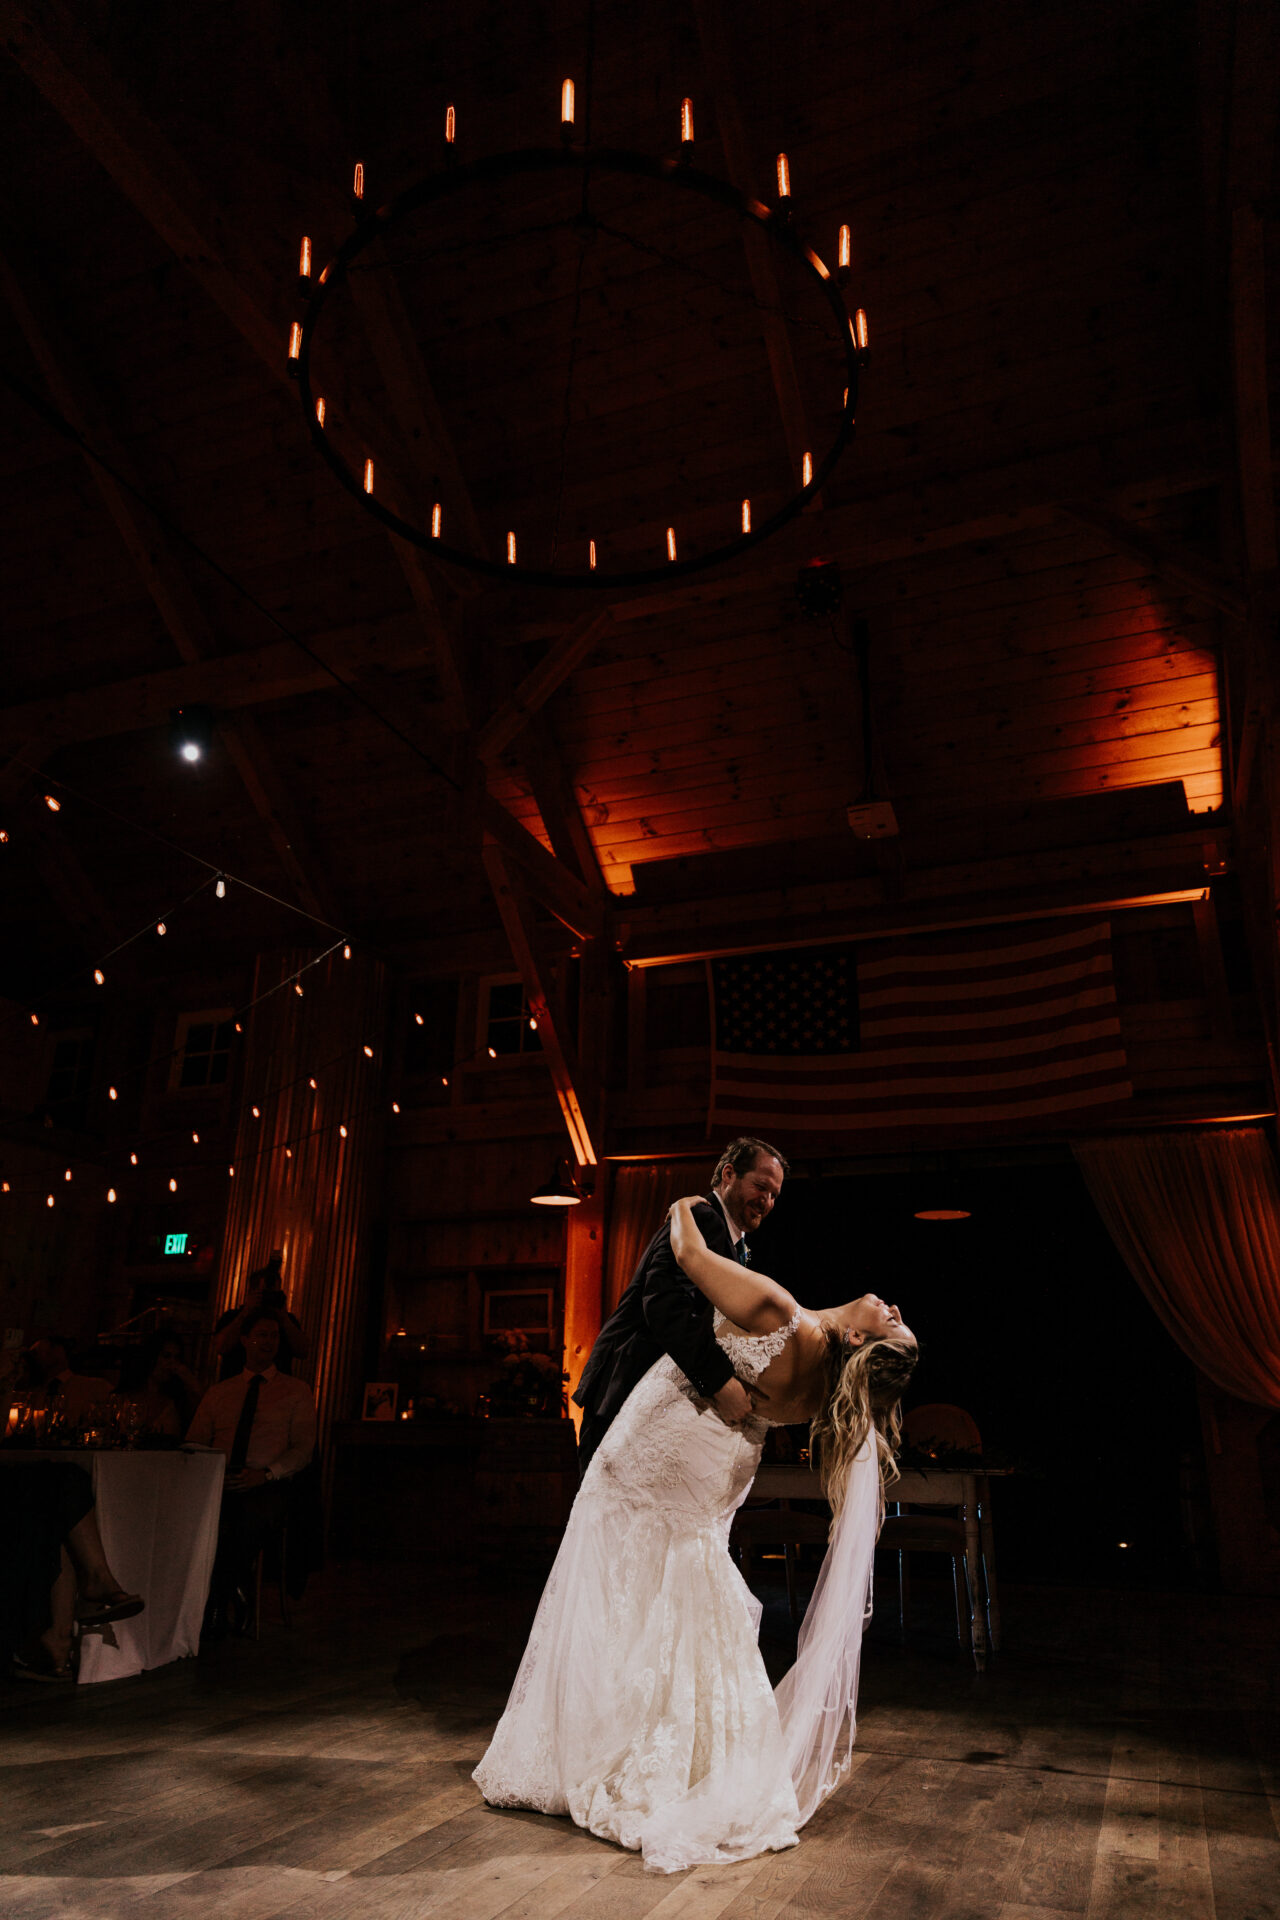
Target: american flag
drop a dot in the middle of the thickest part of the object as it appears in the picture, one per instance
(955, 1029)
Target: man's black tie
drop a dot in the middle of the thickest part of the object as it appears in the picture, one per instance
(742, 1252)
(244, 1425)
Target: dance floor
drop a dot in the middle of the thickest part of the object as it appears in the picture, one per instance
(1118, 1761)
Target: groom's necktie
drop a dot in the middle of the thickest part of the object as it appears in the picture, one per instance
(742, 1253)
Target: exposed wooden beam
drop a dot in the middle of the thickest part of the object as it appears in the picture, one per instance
(717, 57)
(58, 57)
(518, 923)
(551, 884)
(1201, 578)
(537, 687)
(253, 677)
(82, 89)
(552, 788)
(1148, 871)
(162, 575)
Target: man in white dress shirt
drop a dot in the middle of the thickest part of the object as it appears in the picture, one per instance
(265, 1423)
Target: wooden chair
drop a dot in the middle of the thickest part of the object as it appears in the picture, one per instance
(775, 1526)
(939, 1529)
(278, 1546)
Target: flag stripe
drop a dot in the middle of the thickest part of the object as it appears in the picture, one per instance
(961, 1029)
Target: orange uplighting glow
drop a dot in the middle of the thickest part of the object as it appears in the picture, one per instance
(566, 104)
(368, 476)
(671, 543)
(784, 177)
(844, 247)
(304, 258)
(686, 123)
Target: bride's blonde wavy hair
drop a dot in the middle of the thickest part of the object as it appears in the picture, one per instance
(863, 1393)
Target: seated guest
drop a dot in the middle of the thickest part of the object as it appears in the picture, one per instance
(158, 1393)
(53, 1571)
(265, 1423)
(262, 1289)
(71, 1394)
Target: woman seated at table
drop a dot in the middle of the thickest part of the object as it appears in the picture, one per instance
(53, 1567)
(158, 1393)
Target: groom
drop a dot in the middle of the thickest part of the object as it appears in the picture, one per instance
(663, 1312)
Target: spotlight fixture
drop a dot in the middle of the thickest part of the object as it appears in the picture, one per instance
(191, 733)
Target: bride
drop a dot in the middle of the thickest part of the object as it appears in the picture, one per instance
(641, 1707)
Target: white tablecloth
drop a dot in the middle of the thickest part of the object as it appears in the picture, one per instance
(158, 1517)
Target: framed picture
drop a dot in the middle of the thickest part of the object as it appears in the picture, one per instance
(380, 1398)
(526, 1310)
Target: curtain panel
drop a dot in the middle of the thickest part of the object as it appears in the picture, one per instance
(641, 1196)
(1196, 1217)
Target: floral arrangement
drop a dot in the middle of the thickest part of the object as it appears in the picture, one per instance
(530, 1385)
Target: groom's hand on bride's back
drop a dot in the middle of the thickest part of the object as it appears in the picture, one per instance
(732, 1402)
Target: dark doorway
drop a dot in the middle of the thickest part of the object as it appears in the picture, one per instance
(1027, 1317)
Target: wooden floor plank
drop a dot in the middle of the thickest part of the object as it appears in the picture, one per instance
(1119, 1762)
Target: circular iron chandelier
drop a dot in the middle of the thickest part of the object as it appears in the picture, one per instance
(585, 161)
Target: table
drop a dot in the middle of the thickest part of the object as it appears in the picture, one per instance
(963, 1488)
(158, 1517)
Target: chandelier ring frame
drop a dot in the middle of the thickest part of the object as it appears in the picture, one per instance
(663, 170)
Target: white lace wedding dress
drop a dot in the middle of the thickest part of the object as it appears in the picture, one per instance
(642, 1707)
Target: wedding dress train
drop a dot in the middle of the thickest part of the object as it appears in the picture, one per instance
(642, 1707)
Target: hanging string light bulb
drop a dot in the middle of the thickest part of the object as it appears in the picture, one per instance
(173, 1185)
(111, 1195)
(49, 1201)
(161, 928)
(342, 1133)
(418, 1020)
(35, 1019)
(450, 126)
(368, 476)
(368, 1053)
(746, 516)
(313, 1085)
(53, 803)
(566, 105)
(195, 1139)
(133, 1159)
(395, 1106)
(220, 888)
(511, 549)
(99, 976)
(297, 987)
(671, 543)
(686, 123)
(435, 521)
(67, 1174)
(591, 555)
(346, 953)
(112, 1094)
(256, 1112)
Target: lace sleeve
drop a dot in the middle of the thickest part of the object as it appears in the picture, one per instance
(752, 1352)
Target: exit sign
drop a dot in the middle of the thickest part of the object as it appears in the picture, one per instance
(175, 1242)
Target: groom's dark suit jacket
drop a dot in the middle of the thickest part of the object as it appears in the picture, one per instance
(660, 1312)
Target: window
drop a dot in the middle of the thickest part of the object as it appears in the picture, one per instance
(72, 1069)
(506, 1024)
(203, 1054)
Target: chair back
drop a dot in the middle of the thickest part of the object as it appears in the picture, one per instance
(952, 1426)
